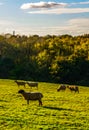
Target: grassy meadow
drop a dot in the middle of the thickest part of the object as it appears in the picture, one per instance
(60, 110)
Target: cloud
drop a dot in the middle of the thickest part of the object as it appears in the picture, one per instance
(79, 21)
(46, 5)
(76, 26)
(81, 3)
(80, 25)
(1, 3)
(54, 8)
(87, 2)
(5, 23)
(42, 5)
(72, 27)
(60, 11)
(7, 26)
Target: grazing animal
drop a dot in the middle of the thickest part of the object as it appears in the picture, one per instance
(33, 84)
(19, 83)
(62, 87)
(73, 88)
(31, 96)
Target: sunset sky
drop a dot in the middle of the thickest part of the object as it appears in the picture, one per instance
(53, 17)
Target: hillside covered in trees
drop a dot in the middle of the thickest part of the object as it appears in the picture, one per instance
(59, 59)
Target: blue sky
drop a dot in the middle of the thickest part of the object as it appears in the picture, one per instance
(53, 17)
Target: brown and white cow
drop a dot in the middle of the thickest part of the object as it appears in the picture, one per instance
(62, 87)
(73, 88)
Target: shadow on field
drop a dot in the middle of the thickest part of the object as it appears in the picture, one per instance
(56, 108)
(2, 107)
(3, 101)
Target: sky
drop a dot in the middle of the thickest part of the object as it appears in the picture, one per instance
(46, 17)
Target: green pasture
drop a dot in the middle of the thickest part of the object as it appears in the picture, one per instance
(60, 110)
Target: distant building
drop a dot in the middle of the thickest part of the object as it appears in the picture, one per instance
(8, 35)
(13, 33)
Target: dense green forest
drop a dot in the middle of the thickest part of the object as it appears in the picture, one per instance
(50, 58)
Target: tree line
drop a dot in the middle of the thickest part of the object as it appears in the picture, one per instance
(50, 58)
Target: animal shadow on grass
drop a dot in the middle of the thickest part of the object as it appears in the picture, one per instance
(56, 108)
(2, 107)
(3, 100)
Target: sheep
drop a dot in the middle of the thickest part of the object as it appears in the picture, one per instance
(19, 83)
(31, 96)
(33, 84)
(73, 88)
(62, 87)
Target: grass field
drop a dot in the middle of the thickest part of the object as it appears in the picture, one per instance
(60, 110)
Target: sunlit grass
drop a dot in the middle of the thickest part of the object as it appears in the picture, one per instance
(60, 110)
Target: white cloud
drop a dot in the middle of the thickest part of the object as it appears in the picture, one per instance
(60, 11)
(5, 23)
(81, 3)
(72, 27)
(54, 8)
(80, 25)
(42, 5)
(76, 26)
(7, 26)
(1, 3)
(87, 2)
(80, 21)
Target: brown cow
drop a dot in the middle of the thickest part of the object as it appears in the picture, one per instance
(33, 84)
(62, 87)
(20, 83)
(73, 88)
(32, 96)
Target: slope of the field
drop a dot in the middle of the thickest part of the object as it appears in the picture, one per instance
(60, 110)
